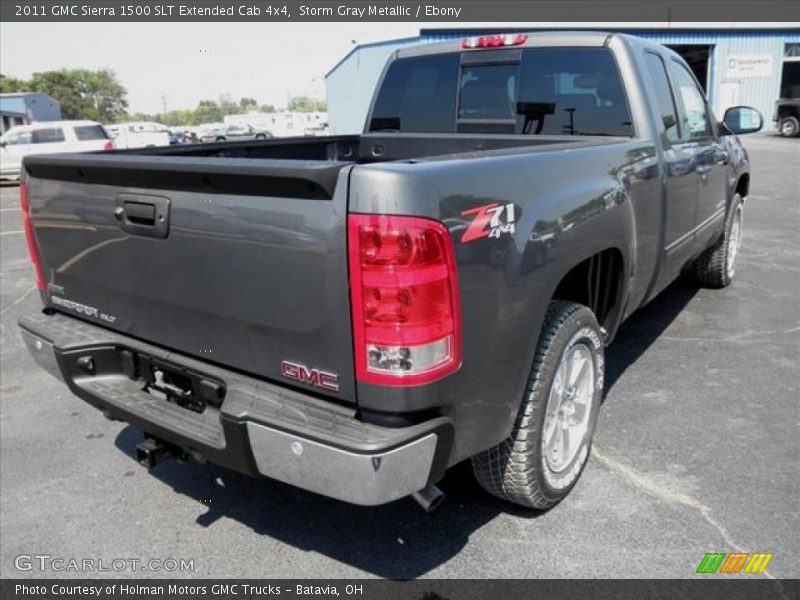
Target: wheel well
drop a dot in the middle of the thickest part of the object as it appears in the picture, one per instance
(596, 282)
(743, 185)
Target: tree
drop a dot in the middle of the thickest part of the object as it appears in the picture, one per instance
(247, 104)
(305, 104)
(267, 108)
(83, 94)
(10, 85)
(207, 111)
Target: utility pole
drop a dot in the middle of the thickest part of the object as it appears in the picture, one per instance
(163, 103)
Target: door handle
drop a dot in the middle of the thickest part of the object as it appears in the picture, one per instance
(146, 216)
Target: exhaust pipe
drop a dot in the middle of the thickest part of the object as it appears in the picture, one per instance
(429, 498)
(151, 452)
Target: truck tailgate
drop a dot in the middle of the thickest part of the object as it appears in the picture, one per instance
(241, 262)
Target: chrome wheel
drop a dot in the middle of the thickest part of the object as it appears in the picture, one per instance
(734, 241)
(568, 407)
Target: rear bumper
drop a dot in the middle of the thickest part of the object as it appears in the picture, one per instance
(258, 429)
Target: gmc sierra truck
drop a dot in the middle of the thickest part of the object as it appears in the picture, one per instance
(355, 314)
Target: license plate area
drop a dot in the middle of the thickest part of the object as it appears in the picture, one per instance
(172, 383)
(164, 379)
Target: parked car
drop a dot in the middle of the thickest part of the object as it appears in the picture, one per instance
(139, 134)
(235, 132)
(787, 117)
(355, 314)
(46, 138)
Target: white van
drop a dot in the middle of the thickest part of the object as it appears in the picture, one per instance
(139, 134)
(48, 138)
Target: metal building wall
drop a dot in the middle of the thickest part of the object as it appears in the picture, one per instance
(351, 83)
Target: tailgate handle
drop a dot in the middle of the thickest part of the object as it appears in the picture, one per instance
(146, 216)
(140, 213)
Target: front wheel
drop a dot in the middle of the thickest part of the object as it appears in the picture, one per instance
(717, 265)
(789, 127)
(540, 462)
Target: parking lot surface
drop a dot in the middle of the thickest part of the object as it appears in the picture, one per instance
(697, 450)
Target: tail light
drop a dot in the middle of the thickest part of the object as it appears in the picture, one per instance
(108, 146)
(25, 205)
(404, 292)
(494, 41)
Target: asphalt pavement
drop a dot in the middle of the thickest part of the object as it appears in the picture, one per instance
(697, 450)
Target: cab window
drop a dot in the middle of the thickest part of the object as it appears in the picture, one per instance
(695, 121)
(49, 135)
(17, 139)
(663, 94)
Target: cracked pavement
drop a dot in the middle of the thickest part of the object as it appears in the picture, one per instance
(697, 450)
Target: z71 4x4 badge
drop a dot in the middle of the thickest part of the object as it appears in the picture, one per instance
(490, 221)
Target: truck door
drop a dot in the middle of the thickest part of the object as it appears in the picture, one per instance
(709, 156)
(681, 177)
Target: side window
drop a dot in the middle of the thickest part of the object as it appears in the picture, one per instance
(17, 139)
(696, 124)
(663, 93)
(47, 136)
(90, 132)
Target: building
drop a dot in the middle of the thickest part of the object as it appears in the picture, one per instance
(27, 107)
(735, 64)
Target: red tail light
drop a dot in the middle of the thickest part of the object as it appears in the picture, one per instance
(108, 146)
(494, 41)
(404, 293)
(25, 205)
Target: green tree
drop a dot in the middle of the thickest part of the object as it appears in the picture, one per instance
(305, 104)
(267, 108)
(247, 104)
(207, 111)
(84, 94)
(12, 84)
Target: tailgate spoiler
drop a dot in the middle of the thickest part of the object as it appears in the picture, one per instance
(307, 179)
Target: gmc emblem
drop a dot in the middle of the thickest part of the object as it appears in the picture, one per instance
(316, 377)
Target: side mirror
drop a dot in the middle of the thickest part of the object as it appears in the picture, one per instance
(743, 119)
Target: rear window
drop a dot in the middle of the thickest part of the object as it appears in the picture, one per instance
(418, 94)
(47, 136)
(558, 91)
(90, 132)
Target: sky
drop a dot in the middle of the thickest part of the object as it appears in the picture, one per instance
(189, 62)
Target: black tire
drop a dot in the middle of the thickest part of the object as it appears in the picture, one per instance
(219, 139)
(789, 127)
(517, 469)
(261, 136)
(716, 266)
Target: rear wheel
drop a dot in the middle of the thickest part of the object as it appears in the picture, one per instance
(717, 265)
(540, 462)
(261, 136)
(789, 127)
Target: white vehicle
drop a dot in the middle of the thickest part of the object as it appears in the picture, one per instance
(139, 134)
(48, 138)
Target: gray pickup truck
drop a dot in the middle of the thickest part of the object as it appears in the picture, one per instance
(355, 314)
